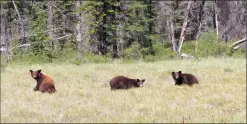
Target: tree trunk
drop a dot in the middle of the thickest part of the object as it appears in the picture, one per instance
(114, 45)
(200, 24)
(23, 21)
(50, 25)
(3, 38)
(238, 42)
(3, 26)
(172, 34)
(79, 32)
(216, 25)
(150, 24)
(184, 27)
(101, 31)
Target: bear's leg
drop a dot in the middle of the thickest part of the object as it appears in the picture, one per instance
(42, 89)
(49, 90)
(122, 86)
(113, 88)
(36, 88)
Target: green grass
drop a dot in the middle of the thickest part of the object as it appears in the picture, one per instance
(83, 93)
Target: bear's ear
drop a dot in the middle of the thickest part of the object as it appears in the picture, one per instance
(143, 80)
(137, 80)
(31, 71)
(173, 73)
(39, 70)
(180, 72)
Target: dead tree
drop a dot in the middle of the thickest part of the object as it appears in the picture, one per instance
(50, 25)
(81, 30)
(237, 44)
(3, 36)
(23, 21)
(182, 35)
(200, 23)
(216, 24)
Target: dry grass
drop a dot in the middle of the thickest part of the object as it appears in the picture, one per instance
(83, 93)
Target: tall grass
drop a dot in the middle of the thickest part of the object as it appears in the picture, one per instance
(83, 93)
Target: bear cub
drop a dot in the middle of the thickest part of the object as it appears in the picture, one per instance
(44, 82)
(184, 78)
(122, 82)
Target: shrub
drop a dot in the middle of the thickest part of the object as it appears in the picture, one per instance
(133, 52)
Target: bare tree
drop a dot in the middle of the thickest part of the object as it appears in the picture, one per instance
(200, 23)
(23, 21)
(115, 43)
(172, 34)
(81, 30)
(184, 27)
(3, 38)
(167, 10)
(50, 25)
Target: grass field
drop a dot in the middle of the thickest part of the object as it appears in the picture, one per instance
(83, 93)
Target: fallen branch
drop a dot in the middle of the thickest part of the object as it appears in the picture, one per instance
(62, 37)
(3, 49)
(186, 56)
(238, 42)
(23, 45)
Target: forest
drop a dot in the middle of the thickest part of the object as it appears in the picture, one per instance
(95, 30)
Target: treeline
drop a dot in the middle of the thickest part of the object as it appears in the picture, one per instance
(118, 28)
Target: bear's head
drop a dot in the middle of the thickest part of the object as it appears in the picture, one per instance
(176, 75)
(140, 82)
(35, 74)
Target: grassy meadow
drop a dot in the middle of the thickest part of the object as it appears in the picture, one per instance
(83, 93)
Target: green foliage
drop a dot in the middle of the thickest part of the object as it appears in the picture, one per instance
(162, 52)
(132, 24)
(92, 58)
(207, 46)
(237, 53)
(132, 52)
(39, 39)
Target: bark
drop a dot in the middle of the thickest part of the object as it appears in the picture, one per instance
(50, 25)
(238, 42)
(23, 21)
(172, 34)
(101, 31)
(3, 38)
(79, 39)
(3, 25)
(216, 24)
(150, 24)
(114, 45)
(184, 27)
(200, 24)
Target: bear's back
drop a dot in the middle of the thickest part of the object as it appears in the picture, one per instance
(119, 79)
(47, 79)
(122, 82)
(47, 84)
(191, 79)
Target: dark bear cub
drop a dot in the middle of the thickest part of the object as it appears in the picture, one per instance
(121, 82)
(44, 82)
(184, 78)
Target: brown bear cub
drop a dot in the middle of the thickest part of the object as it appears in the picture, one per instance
(184, 78)
(122, 82)
(44, 82)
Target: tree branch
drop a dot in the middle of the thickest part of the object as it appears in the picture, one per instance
(238, 42)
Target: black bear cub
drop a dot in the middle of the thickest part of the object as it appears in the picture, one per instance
(44, 82)
(122, 82)
(184, 78)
